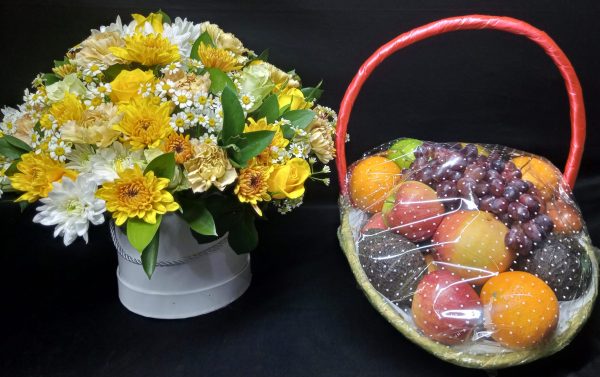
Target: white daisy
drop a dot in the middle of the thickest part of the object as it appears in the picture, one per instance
(94, 69)
(247, 102)
(179, 122)
(10, 117)
(200, 100)
(182, 33)
(164, 88)
(208, 139)
(71, 206)
(59, 149)
(171, 68)
(182, 98)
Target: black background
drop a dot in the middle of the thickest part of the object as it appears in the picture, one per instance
(303, 314)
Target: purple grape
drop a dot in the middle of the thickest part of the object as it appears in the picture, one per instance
(496, 186)
(419, 163)
(439, 173)
(499, 205)
(492, 174)
(424, 175)
(545, 224)
(510, 166)
(510, 193)
(453, 175)
(517, 241)
(475, 172)
(518, 212)
(486, 202)
(532, 231)
(465, 186)
(419, 151)
(482, 189)
(470, 150)
(509, 175)
(456, 162)
(497, 165)
(520, 185)
(532, 203)
(447, 190)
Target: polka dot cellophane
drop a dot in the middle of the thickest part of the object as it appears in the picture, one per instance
(477, 252)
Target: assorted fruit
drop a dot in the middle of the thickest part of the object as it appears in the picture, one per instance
(474, 242)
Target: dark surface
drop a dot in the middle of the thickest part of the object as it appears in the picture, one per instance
(303, 314)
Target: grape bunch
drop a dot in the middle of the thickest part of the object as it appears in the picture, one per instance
(462, 177)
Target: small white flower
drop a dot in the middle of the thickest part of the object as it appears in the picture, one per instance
(326, 169)
(182, 98)
(71, 206)
(164, 88)
(180, 122)
(94, 69)
(247, 102)
(59, 149)
(208, 139)
(171, 68)
(300, 150)
(9, 119)
(200, 100)
(326, 181)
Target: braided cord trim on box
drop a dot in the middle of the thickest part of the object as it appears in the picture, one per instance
(123, 254)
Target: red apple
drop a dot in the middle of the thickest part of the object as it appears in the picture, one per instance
(446, 308)
(416, 212)
(375, 222)
(471, 244)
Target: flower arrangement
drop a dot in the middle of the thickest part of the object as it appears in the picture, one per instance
(155, 117)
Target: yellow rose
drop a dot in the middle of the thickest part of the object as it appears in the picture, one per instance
(293, 97)
(287, 181)
(125, 86)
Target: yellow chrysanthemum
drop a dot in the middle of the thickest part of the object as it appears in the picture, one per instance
(253, 184)
(36, 174)
(134, 194)
(145, 122)
(279, 141)
(181, 146)
(148, 50)
(219, 58)
(65, 69)
(69, 108)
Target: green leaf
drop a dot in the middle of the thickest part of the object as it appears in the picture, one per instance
(12, 169)
(203, 38)
(163, 166)
(250, 145)
(219, 81)
(58, 63)
(299, 119)
(264, 56)
(23, 205)
(8, 150)
(113, 71)
(165, 17)
(233, 115)
(50, 78)
(17, 143)
(140, 233)
(243, 237)
(311, 94)
(269, 109)
(199, 218)
(150, 255)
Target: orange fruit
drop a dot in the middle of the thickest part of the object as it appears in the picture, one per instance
(371, 181)
(541, 173)
(520, 310)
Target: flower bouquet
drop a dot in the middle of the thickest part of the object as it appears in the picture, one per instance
(159, 117)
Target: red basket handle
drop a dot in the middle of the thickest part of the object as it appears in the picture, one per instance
(470, 22)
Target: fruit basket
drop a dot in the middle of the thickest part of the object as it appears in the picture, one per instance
(478, 253)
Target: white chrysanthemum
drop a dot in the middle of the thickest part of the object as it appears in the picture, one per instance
(182, 33)
(107, 162)
(71, 206)
(116, 26)
(80, 158)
